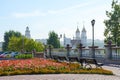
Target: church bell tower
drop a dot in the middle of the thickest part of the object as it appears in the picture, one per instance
(77, 34)
(84, 37)
(27, 33)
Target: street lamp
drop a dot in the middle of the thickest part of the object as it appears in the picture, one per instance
(93, 51)
(119, 20)
(23, 43)
(60, 37)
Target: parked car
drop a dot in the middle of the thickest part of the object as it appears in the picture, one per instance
(5, 54)
(13, 54)
(1, 52)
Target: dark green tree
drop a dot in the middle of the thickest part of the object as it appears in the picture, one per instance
(112, 29)
(53, 40)
(7, 36)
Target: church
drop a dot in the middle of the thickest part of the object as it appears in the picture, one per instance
(77, 39)
(27, 32)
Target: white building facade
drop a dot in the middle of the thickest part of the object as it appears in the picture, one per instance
(66, 41)
(27, 33)
(77, 40)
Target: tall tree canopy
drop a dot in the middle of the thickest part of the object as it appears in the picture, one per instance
(7, 36)
(53, 40)
(112, 29)
(17, 44)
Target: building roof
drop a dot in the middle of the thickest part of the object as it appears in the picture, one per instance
(83, 30)
(27, 28)
(77, 30)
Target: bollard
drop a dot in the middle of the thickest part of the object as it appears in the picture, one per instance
(80, 47)
(68, 50)
(50, 51)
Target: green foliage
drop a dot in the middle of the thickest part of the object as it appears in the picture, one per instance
(24, 56)
(112, 24)
(17, 44)
(53, 40)
(7, 36)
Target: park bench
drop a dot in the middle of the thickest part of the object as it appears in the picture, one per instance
(47, 56)
(62, 58)
(55, 57)
(73, 58)
(89, 61)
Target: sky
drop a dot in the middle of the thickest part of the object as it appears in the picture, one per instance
(61, 16)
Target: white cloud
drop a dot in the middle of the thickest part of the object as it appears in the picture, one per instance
(31, 14)
(68, 8)
(39, 13)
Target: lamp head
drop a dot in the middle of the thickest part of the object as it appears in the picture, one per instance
(93, 22)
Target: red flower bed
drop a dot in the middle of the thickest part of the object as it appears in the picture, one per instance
(29, 63)
(43, 66)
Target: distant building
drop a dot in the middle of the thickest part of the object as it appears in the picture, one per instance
(84, 37)
(43, 41)
(1, 43)
(27, 33)
(77, 39)
(67, 41)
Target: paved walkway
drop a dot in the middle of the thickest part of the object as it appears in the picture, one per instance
(116, 76)
(114, 68)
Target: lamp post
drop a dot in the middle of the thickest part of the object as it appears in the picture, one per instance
(119, 20)
(93, 50)
(110, 49)
(60, 38)
(23, 44)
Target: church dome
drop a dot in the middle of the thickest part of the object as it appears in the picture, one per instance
(27, 28)
(83, 30)
(77, 31)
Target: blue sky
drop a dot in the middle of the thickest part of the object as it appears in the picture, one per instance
(62, 16)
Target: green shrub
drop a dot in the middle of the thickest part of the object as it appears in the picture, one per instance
(8, 56)
(23, 56)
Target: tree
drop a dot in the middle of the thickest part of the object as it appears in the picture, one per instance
(53, 40)
(30, 44)
(16, 44)
(112, 29)
(13, 44)
(7, 36)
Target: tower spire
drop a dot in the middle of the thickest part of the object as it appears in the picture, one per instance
(77, 24)
(77, 33)
(83, 23)
(83, 30)
(27, 32)
(83, 36)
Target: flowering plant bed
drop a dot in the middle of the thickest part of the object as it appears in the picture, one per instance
(44, 66)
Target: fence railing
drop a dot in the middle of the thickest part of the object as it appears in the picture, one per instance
(100, 53)
(116, 53)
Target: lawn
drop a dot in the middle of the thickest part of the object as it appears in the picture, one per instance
(44, 66)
